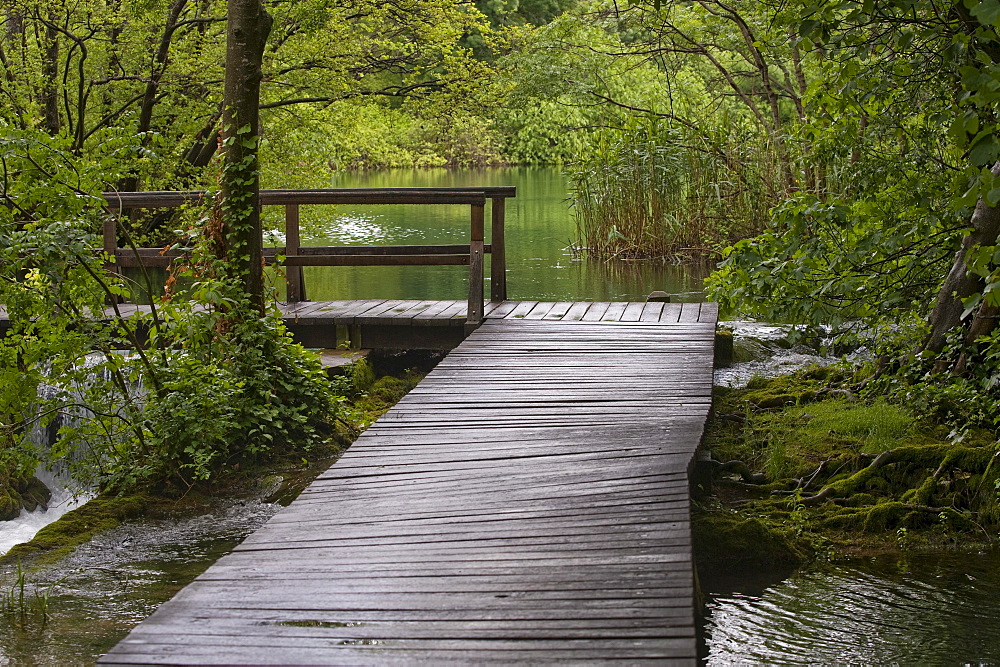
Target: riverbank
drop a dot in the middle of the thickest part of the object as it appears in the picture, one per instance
(805, 466)
(833, 526)
(96, 572)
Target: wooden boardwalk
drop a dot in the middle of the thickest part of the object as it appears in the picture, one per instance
(527, 502)
(436, 324)
(452, 313)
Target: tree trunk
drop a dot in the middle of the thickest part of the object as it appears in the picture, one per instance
(248, 27)
(50, 76)
(960, 284)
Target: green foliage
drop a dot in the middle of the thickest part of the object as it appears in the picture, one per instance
(213, 385)
(874, 259)
(839, 467)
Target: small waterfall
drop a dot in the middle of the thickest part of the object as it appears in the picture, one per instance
(27, 524)
(66, 494)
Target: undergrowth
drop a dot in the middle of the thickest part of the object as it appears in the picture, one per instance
(815, 454)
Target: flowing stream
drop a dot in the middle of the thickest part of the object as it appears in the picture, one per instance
(905, 610)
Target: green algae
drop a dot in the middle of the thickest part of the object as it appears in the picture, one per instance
(62, 536)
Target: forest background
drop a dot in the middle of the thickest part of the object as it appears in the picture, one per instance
(839, 159)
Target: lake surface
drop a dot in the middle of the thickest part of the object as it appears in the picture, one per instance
(540, 233)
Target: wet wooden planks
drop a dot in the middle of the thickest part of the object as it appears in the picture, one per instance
(527, 502)
(443, 313)
(390, 312)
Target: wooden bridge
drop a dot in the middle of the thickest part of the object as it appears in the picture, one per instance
(526, 502)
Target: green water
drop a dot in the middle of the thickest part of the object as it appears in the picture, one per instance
(540, 232)
(907, 609)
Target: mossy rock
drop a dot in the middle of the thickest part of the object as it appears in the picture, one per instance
(724, 348)
(34, 494)
(726, 539)
(747, 349)
(818, 373)
(10, 504)
(767, 400)
(61, 537)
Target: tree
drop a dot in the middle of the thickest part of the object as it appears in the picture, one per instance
(247, 31)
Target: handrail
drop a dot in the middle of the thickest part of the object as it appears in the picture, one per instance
(296, 256)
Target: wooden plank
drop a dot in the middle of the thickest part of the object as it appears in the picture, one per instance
(689, 312)
(558, 311)
(671, 312)
(476, 263)
(709, 313)
(651, 311)
(522, 309)
(433, 315)
(577, 312)
(498, 251)
(540, 310)
(596, 311)
(527, 501)
(381, 312)
(503, 309)
(633, 312)
(614, 312)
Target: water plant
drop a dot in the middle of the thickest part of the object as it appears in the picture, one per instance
(649, 190)
(22, 609)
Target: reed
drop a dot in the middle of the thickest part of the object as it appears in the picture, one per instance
(650, 191)
(18, 608)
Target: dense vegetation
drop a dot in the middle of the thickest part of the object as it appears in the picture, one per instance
(841, 159)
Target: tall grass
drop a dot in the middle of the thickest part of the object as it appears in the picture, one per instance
(647, 190)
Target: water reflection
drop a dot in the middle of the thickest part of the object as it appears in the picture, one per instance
(921, 609)
(540, 232)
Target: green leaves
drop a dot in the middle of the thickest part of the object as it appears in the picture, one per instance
(986, 11)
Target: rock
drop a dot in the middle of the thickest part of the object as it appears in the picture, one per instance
(750, 349)
(10, 505)
(35, 494)
(658, 296)
(728, 539)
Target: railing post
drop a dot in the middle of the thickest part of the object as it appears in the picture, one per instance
(475, 314)
(294, 283)
(111, 243)
(498, 254)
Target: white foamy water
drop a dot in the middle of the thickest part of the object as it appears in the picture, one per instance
(24, 527)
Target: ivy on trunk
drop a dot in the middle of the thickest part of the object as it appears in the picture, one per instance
(248, 28)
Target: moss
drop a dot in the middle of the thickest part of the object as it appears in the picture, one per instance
(825, 443)
(10, 504)
(383, 394)
(362, 376)
(728, 539)
(768, 400)
(61, 537)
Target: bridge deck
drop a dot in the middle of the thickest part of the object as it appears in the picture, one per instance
(527, 502)
(452, 313)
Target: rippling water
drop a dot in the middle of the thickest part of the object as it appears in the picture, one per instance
(919, 609)
(110, 584)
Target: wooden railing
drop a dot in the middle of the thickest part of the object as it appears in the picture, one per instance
(297, 256)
